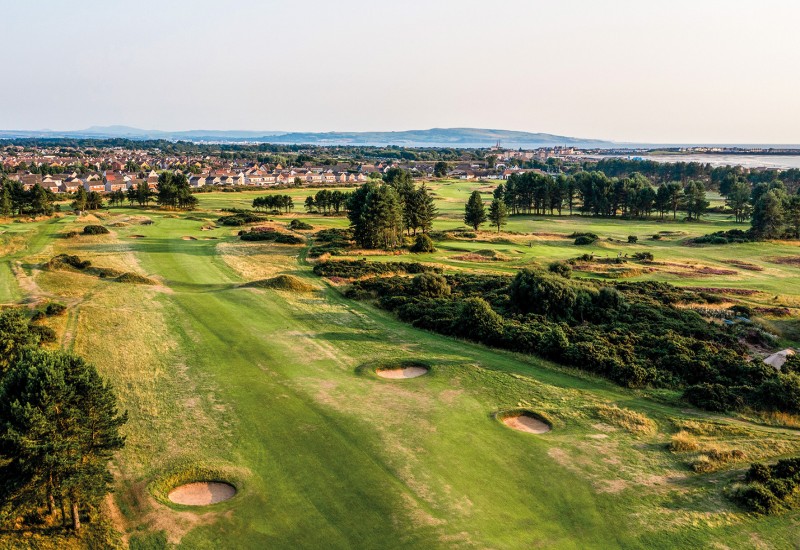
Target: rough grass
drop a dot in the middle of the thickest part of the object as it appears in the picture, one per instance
(632, 421)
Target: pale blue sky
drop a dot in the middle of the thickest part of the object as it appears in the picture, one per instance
(666, 71)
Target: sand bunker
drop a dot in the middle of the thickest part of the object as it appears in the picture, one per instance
(526, 423)
(137, 236)
(402, 372)
(186, 238)
(202, 493)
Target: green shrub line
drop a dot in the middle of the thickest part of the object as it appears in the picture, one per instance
(161, 486)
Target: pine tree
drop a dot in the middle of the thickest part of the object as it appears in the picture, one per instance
(5, 201)
(498, 214)
(474, 211)
(427, 209)
(768, 216)
(59, 427)
(80, 202)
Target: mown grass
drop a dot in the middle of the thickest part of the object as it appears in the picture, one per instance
(261, 384)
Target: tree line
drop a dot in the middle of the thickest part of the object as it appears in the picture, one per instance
(273, 203)
(59, 427)
(15, 200)
(596, 194)
(327, 201)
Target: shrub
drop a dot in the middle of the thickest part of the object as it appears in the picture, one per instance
(70, 234)
(560, 268)
(46, 334)
(299, 225)
(95, 230)
(258, 234)
(54, 308)
(584, 240)
(422, 243)
(633, 239)
(134, 278)
(430, 285)
(643, 256)
(242, 218)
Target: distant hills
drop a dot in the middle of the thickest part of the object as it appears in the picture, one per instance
(434, 137)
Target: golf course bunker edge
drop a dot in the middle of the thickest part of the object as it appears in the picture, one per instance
(202, 493)
(402, 370)
(525, 421)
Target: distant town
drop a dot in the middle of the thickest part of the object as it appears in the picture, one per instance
(102, 167)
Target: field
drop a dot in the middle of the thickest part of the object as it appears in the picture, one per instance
(275, 390)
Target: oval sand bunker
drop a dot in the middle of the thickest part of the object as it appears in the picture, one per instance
(202, 493)
(404, 372)
(526, 423)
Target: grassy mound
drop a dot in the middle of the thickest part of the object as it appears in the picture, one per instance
(282, 282)
(134, 278)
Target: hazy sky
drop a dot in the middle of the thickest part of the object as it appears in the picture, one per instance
(657, 71)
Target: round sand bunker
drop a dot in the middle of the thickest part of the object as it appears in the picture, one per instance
(402, 372)
(202, 493)
(526, 423)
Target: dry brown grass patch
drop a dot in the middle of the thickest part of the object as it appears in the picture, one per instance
(627, 419)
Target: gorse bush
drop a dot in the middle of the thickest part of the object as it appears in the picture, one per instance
(243, 218)
(422, 243)
(770, 488)
(95, 230)
(299, 225)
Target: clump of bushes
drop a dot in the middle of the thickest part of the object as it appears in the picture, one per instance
(330, 241)
(725, 237)
(633, 239)
(242, 218)
(134, 278)
(422, 243)
(584, 238)
(561, 269)
(45, 334)
(299, 225)
(54, 308)
(69, 234)
(770, 488)
(643, 256)
(359, 268)
(95, 230)
(263, 234)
